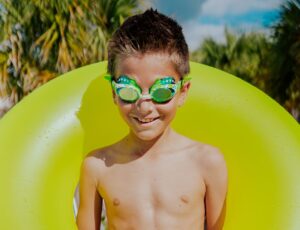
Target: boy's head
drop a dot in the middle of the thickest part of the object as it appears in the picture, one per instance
(150, 32)
(148, 58)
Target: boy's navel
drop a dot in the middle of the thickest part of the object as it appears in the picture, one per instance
(116, 202)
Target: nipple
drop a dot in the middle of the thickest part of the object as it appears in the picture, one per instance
(116, 202)
(184, 199)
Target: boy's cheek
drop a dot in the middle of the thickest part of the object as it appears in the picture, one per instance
(114, 97)
(180, 102)
(182, 99)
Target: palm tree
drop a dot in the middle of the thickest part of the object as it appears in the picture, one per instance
(105, 17)
(285, 82)
(245, 56)
(41, 39)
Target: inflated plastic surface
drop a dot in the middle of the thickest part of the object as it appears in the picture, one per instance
(44, 138)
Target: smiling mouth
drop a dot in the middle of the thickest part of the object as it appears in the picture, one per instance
(145, 120)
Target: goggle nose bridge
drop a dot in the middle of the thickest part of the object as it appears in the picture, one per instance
(146, 96)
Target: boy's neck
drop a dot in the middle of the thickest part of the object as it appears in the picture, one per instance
(152, 147)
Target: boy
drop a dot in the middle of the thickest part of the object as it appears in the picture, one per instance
(154, 178)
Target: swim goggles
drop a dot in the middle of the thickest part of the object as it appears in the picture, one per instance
(162, 91)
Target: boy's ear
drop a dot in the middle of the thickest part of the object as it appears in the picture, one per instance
(183, 93)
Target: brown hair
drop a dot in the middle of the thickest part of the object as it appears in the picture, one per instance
(147, 33)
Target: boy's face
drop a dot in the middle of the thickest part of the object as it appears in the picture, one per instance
(145, 69)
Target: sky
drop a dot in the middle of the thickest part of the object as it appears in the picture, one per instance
(208, 18)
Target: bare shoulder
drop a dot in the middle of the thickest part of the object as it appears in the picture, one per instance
(210, 158)
(94, 161)
(208, 153)
(90, 166)
(212, 163)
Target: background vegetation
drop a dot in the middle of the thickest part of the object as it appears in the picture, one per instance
(40, 40)
(271, 63)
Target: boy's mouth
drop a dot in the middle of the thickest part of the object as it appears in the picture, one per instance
(145, 120)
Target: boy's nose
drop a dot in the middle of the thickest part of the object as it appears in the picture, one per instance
(145, 106)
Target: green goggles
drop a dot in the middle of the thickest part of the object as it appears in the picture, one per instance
(162, 91)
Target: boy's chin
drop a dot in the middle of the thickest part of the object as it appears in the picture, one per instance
(148, 135)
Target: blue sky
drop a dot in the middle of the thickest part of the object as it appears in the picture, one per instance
(208, 18)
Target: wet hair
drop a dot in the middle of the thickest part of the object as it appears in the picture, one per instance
(149, 32)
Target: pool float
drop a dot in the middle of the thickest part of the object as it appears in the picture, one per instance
(44, 138)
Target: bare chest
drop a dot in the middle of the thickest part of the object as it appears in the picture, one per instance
(171, 186)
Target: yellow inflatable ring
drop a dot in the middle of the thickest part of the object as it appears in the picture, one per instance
(44, 137)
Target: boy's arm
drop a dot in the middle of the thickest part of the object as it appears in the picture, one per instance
(90, 202)
(216, 188)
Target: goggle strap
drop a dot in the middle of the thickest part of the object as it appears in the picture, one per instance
(186, 79)
(108, 77)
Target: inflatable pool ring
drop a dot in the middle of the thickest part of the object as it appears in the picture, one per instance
(44, 138)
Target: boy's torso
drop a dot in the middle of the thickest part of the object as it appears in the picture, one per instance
(165, 192)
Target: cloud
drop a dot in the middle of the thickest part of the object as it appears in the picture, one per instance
(179, 9)
(230, 7)
(207, 18)
(195, 33)
(237, 15)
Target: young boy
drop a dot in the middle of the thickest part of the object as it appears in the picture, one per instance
(154, 178)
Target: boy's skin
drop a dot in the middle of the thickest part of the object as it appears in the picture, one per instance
(154, 178)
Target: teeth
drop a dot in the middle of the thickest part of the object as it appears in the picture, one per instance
(146, 120)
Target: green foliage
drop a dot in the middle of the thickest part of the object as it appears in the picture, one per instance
(41, 39)
(285, 81)
(245, 56)
(270, 63)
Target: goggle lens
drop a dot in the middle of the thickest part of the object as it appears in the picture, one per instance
(161, 95)
(128, 94)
